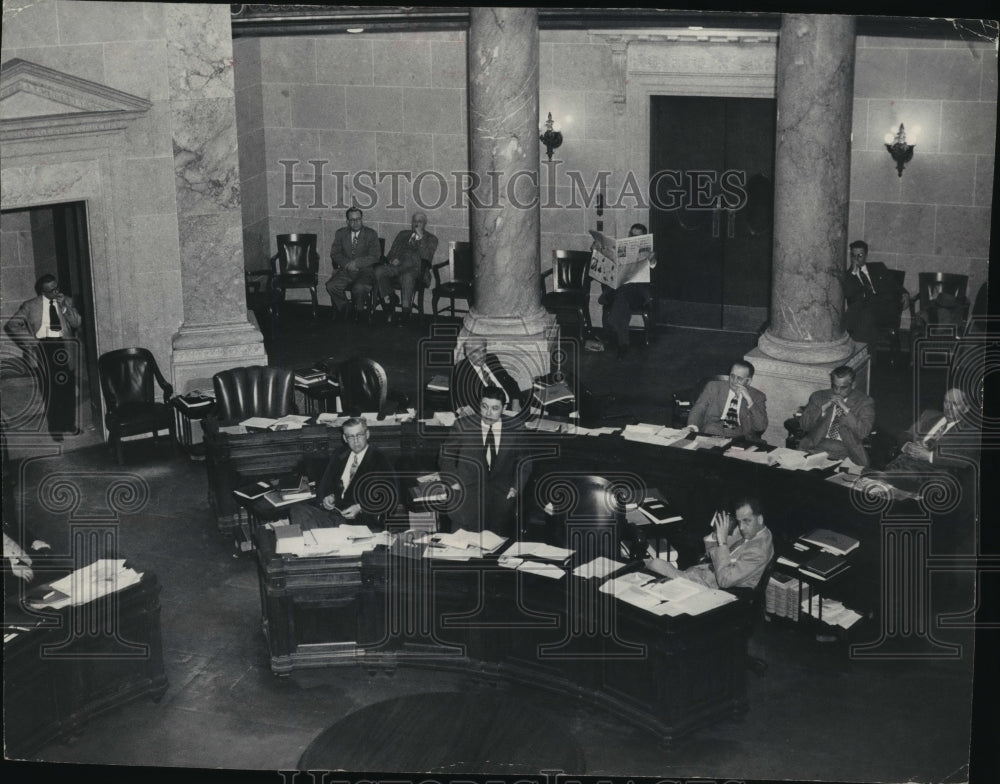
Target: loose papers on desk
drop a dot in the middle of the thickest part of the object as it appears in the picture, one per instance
(595, 431)
(104, 576)
(794, 460)
(666, 596)
(834, 612)
(599, 567)
(460, 545)
(537, 558)
(344, 540)
(333, 420)
(702, 442)
(289, 422)
(653, 434)
(749, 454)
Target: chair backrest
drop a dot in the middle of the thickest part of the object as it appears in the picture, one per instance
(757, 595)
(364, 385)
(932, 284)
(252, 391)
(127, 376)
(297, 254)
(571, 270)
(587, 515)
(898, 277)
(460, 263)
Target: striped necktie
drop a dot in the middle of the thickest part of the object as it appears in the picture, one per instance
(732, 419)
(834, 431)
(354, 467)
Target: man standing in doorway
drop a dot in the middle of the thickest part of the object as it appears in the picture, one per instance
(46, 326)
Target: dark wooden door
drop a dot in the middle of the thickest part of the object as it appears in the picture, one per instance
(711, 175)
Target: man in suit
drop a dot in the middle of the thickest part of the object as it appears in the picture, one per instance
(935, 440)
(738, 559)
(355, 250)
(618, 304)
(732, 408)
(838, 419)
(348, 487)
(491, 464)
(405, 260)
(874, 299)
(477, 371)
(45, 327)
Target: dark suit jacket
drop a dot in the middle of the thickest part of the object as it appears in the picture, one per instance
(854, 426)
(374, 465)
(402, 250)
(466, 386)
(868, 312)
(708, 408)
(961, 441)
(25, 323)
(484, 504)
(367, 253)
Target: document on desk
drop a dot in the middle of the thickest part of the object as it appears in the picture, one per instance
(262, 423)
(658, 595)
(540, 550)
(750, 454)
(104, 576)
(599, 567)
(701, 442)
(795, 460)
(332, 420)
(702, 601)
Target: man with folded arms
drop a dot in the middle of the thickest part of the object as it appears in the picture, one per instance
(932, 440)
(732, 408)
(737, 560)
(838, 419)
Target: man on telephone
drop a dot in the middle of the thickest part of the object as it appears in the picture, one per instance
(736, 560)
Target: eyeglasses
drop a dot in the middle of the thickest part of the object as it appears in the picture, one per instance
(356, 436)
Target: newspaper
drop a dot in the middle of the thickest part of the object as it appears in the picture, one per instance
(615, 262)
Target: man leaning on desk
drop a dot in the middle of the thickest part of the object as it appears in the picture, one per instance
(732, 408)
(345, 492)
(737, 560)
(838, 419)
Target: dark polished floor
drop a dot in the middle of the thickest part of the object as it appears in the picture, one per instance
(815, 715)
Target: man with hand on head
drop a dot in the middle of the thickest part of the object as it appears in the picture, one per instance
(404, 261)
(732, 408)
(838, 419)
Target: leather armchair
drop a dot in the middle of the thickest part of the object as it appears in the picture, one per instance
(363, 385)
(127, 377)
(252, 391)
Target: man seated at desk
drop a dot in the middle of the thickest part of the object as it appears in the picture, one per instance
(738, 560)
(838, 419)
(342, 490)
(477, 371)
(492, 466)
(730, 409)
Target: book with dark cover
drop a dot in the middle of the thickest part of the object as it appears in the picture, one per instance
(831, 541)
(252, 490)
(547, 394)
(659, 511)
(825, 565)
(309, 376)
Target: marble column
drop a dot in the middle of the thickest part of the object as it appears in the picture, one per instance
(216, 333)
(504, 211)
(815, 88)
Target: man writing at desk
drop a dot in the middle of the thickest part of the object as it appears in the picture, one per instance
(738, 560)
(341, 491)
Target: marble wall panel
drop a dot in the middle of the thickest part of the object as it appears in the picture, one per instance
(150, 186)
(154, 247)
(984, 180)
(318, 106)
(969, 127)
(253, 198)
(894, 42)
(348, 151)
(288, 60)
(84, 23)
(246, 63)
(277, 100)
(546, 71)
(922, 120)
(211, 249)
(375, 108)
(939, 179)
(988, 85)
(859, 125)
(431, 110)
(948, 74)
(873, 177)
(84, 61)
(137, 67)
(963, 231)
(342, 60)
(405, 63)
(903, 228)
(582, 65)
(200, 52)
(249, 110)
(448, 64)
(29, 24)
(879, 73)
(205, 157)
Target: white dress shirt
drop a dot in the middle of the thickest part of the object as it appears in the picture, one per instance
(345, 477)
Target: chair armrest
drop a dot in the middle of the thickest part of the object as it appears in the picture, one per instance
(436, 269)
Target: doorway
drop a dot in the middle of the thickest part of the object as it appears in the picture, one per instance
(711, 183)
(51, 239)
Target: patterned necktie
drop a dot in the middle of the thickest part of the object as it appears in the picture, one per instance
(491, 448)
(732, 414)
(354, 467)
(54, 325)
(834, 431)
(354, 240)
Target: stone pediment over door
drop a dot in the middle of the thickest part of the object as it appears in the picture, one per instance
(36, 101)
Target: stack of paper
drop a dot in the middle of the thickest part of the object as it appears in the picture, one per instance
(290, 422)
(104, 576)
(794, 460)
(461, 545)
(343, 540)
(834, 612)
(333, 420)
(261, 423)
(539, 551)
(443, 418)
(233, 430)
(702, 442)
(750, 454)
(595, 431)
(599, 567)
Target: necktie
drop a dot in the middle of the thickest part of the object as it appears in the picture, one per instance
(491, 448)
(354, 467)
(834, 431)
(354, 240)
(866, 281)
(413, 238)
(732, 413)
(54, 325)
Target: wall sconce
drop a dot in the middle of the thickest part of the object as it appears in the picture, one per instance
(901, 152)
(552, 138)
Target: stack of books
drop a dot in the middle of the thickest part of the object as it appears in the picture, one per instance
(831, 541)
(290, 489)
(195, 403)
(657, 510)
(824, 566)
(781, 597)
(439, 383)
(310, 376)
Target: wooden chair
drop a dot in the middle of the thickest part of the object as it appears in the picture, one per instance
(570, 294)
(461, 271)
(127, 377)
(294, 266)
(941, 299)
